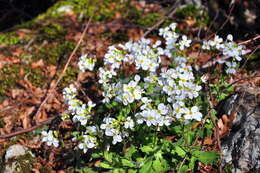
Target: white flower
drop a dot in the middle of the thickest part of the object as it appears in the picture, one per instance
(89, 142)
(217, 42)
(129, 123)
(86, 63)
(69, 92)
(193, 113)
(49, 138)
(206, 45)
(162, 109)
(91, 104)
(184, 42)
(229, 37)
(231, 67)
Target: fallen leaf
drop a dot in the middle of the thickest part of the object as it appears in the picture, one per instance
(25, 117)
(208, 141)
(37, 64)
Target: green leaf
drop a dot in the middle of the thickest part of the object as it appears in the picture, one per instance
(130, 152)
(147, 149)
(184, 169)
(146, 168)
(192, 162)
(96, 155)
(105, 165)
(157, 165)
(132, 171)
(207, 157)
(118, 170)
(127, 163)
(108, 156)
(180, 151)
(189, 137)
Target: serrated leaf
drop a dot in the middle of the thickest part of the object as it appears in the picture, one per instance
(207, 157)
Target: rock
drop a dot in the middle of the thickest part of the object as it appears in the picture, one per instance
(241, 147)
(18, 158)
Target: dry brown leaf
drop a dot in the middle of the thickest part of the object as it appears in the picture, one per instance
(9, 124)
(17, 52)
(42, 116)
(208, 141)
(97, 163)
(16, 93)
(190, 21)
(135, 34)
(21, 33)
(25, 117)
(51, 69)
(37, 64)
(223, 125)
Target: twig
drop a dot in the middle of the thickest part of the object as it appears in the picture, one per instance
(27, 130)
(248, 78)
(65, 68)
(250, 55)
(211, 63)
(171, 12)
(250, 40)
(228, 17)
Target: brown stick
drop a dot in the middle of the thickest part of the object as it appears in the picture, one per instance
(65, 68)
(26, 130)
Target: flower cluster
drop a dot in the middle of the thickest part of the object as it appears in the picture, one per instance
(49, 138)
(86, 63)
(159, 94)
(89, 140)
(229, 48)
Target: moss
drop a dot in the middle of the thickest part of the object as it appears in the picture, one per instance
(36, 77)
(9, 39)
(132, 14)
(189, 10)
(100, 10)
(24, 163)
(70, 76)
(149, 19)
(202, 19)
(9, 76)
(51, 31)
(54, 54)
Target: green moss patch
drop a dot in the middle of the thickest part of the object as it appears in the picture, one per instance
(9, 75)
(9, 39)
(149, 19)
